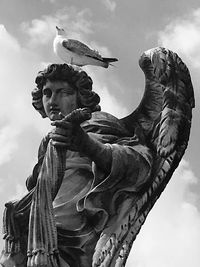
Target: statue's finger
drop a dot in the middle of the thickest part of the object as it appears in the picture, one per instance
(63, 131)
(61, 138)
(78, 116)
(62, 124)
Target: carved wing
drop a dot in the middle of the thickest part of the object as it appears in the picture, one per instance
(164, 116)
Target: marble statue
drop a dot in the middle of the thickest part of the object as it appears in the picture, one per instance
(97, 177)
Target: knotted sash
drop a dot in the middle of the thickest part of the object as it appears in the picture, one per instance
(42, 238)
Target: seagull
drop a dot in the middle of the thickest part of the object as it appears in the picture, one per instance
(77, 53)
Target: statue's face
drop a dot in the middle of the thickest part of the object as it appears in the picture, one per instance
(58, 96)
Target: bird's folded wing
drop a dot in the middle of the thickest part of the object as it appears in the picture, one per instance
(79, 48)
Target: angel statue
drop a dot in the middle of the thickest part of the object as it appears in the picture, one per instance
(97, 176)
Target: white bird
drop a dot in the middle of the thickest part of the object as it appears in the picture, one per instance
(77, 53)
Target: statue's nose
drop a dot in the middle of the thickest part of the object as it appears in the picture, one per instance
(53, 98)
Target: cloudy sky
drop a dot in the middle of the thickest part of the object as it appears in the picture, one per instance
(170, 236)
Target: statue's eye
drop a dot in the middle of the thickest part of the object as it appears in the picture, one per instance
(67, 91)
(47, 92)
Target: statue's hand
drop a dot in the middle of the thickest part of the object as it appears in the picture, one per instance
(67, 135)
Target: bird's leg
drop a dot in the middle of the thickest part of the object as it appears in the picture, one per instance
(71, 61)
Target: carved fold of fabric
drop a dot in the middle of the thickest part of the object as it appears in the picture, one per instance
(42, 238)
(131, 167)
(10, 231)
(16, 213)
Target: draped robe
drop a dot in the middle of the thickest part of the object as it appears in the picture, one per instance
(88, 197)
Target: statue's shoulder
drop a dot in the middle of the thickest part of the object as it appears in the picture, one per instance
(106, 123)
(104, 115)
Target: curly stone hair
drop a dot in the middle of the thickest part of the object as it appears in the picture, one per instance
(77, 78)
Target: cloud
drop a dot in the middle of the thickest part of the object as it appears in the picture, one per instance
(51, 1)
(10, 50)
(17, 80)
(7, 143)
(110, 104)
(7, 41)
(110, 5)
(77, 24)
(103, 50)
(182, 36)
(172, 226)
(103, 87)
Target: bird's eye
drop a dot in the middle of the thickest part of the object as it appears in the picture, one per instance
(47, 92)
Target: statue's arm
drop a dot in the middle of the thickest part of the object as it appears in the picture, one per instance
(72, 136)
(32, 179)
(98, 152)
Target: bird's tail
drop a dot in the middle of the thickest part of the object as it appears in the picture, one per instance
(109, 59)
